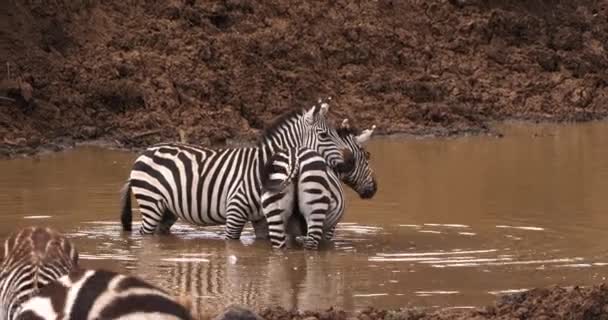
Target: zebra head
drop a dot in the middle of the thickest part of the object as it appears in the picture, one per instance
(308, 128)
(357, 174)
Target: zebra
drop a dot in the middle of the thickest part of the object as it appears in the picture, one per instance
(100, 294)
(205, 186)
(33, 257)
(301, 180)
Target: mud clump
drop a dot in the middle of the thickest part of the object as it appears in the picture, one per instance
(546, 303)
(218, 71)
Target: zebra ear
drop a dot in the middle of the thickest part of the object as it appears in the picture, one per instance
(324, 109)
(365, 135)
(309, 116)
(345, 124)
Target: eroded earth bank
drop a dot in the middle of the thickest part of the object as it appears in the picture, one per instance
(134, 73)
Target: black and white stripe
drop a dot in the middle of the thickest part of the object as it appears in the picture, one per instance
(98, 294)
(219, 186)
(33, 257)
(299, 185)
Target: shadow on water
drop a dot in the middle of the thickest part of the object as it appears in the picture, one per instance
(455, 222)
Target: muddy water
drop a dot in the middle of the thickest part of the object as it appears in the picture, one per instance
(455, 222)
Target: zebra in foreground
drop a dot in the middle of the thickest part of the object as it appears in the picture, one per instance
(298, 184)
(206, 186)
(99, 294)
(33, 257)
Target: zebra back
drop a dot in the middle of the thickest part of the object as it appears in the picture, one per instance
(99, 294)
(32, 258)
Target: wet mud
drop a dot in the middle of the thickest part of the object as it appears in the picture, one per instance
(547, 303)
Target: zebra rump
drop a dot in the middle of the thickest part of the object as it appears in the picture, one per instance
(99, 294)
(33, 258)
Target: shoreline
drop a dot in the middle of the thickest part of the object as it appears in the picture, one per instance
(10, 151)
(553, 302)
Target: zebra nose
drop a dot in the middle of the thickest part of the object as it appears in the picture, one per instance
(370, 191)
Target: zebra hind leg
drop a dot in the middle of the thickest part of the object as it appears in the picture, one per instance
(150, 218)
(235, 222)
(260, 229)
(329, 234)
(316, 220)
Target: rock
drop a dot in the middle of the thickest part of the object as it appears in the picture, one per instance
(236, 312)
(26, 90)
(89, 132)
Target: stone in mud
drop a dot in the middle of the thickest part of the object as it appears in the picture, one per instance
(236, 312)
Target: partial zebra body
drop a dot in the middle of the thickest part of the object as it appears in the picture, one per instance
(314, 191)
(199, 185)
(97, 294)
(33, 258)
(219, 186)
(301, 191)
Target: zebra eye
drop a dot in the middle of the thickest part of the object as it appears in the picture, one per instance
(323, 135)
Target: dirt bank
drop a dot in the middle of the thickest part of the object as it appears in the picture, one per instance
(539, 304)
(134, 73)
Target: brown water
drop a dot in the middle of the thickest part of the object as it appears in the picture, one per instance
(455, 222)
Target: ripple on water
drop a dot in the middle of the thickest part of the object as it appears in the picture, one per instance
(528, 228)
(37, 217)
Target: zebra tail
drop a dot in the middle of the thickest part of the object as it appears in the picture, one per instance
(126, 216)
(275, 177)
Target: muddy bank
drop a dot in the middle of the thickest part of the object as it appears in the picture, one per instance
(548, 303)
(137, 73)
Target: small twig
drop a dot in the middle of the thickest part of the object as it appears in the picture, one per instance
(144, 134)
(182, 136)
(7, 99)
(10, 143)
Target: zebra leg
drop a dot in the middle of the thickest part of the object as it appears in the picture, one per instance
(276, 228)
(260, 228)
(316, 220)
(277, 207)
(235, 222)
(329, 234)
(151, 216)
(167, 221)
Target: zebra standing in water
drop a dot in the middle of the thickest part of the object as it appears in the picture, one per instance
(206, 186)
(99, 294)
(300, 180)
(33, 257)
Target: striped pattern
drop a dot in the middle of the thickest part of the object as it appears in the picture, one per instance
(98, 294)
(299, 185)
(33, 257)
(219, 186)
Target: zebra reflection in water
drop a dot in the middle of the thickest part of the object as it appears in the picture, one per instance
(216, 273)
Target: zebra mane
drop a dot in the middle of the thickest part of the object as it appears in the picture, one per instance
(278, 122)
